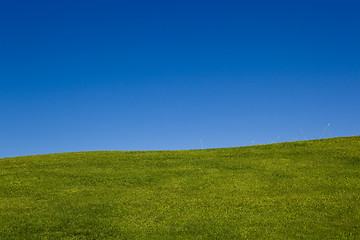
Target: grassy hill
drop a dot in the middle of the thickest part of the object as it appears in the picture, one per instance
(296, 190)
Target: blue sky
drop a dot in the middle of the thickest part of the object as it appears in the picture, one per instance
(152, 75)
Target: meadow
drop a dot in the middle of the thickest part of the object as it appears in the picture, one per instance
(294, 190)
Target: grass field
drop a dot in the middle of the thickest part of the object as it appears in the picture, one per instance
(296, 190)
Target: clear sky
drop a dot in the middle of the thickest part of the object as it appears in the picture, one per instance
(152, 75)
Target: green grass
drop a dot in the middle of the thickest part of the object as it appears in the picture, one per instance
(296, 190)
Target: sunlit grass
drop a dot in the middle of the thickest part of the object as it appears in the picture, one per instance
(302, 190)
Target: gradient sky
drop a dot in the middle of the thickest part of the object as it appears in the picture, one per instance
(151, 75)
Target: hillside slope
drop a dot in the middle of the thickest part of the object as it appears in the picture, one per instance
(302, 190)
